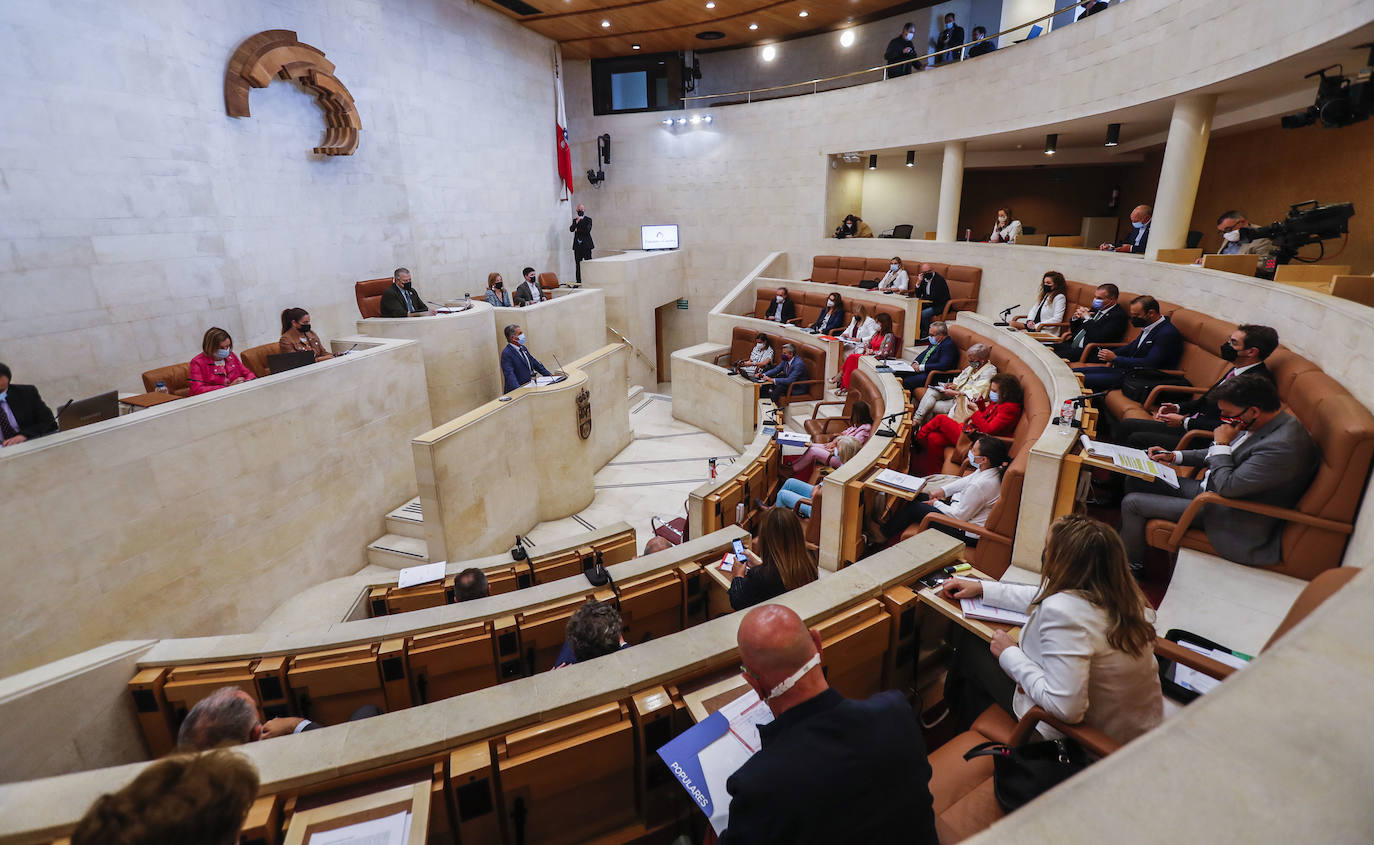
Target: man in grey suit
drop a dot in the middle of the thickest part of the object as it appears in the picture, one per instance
(1260, 453)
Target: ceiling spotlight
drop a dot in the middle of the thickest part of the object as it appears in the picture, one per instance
(667, 121)
(803, 13)
(1113, 134)
(682, 121)
(1051, 144)
(696, 118)
(753, 26)
(605, 24)
(706, 119)
(770, 53)
(910, 158)
(710, 5)
(634, 46)
(873, 162)
(847, 38)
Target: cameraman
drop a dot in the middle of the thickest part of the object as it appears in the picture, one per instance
(1236, 239)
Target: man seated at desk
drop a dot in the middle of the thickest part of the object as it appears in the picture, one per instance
(23, 416)
(518, 366)
(781, 379)
(530, 291)
(230, 716)
(1158, 347)
(402, 299)
(941, 353)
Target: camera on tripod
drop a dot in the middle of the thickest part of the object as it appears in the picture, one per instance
(1307, 223)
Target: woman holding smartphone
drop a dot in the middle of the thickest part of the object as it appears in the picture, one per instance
(780, 562)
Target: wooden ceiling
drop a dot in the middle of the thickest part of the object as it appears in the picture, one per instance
(660, 26)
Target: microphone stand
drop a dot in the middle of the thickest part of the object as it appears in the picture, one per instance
(1006, 313)
(888, 421)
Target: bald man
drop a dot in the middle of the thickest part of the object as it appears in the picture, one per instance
(830, 769)
(657, 544)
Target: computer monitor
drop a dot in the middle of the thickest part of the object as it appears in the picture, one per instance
(658, 237)
(74, 414)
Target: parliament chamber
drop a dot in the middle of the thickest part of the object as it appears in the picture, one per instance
(309, 536)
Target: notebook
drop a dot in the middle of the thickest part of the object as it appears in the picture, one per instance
(977, 609)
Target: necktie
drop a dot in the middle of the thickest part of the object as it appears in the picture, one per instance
(6, 429)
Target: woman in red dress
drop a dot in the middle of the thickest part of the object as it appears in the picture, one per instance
(884, 344)
(997, 415)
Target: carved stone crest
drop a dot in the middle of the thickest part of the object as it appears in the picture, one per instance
(584, 413)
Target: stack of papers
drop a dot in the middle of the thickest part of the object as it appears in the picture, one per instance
(978, 609)
(793, 438)
(412, 575)
(705, 755)
(1132, 459)
(899, 365)
(900, 480)
(1195, 680)
(390, 830)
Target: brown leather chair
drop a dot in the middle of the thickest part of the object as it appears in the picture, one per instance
(176, 377)
(369, 295)
(814, 383)
(549, 281)
(850, 270)
(825, 268)
(255, 358)
(763, 299)
(1203, 336)
(741, 344)
(825, 429)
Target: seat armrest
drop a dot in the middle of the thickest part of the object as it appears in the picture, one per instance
(796, 321)
(1089, 737)
(1170, 650)
(1152, 402)
(1190, 437)
(797, 507)
(717, 359)
(978, 530)
(820, 405)
(1286, 514)
(1090, 351)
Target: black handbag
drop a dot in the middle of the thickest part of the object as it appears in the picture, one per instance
(1020, 774)
(1138, 383)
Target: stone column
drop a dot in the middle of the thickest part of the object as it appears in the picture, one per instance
(1189, 130)
(951, 189)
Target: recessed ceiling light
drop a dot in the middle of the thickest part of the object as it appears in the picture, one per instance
(803, 13)
(606, 24)
(847, 38)
(710, 5)
(753, 26)
(770, 53)
(634, 46)
(682, 121)
(696, 118)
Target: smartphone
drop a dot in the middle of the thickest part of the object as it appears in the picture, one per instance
(739, 550)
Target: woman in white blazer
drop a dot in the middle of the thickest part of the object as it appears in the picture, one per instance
(1051, 304)
(1006, 230)
(1087, 653)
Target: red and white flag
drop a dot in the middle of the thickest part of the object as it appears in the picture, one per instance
(564, 148)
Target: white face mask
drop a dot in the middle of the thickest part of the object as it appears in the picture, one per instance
(791, 680)
(972, 460)
(762, 343)
(992, 396)
(780, 297)
(830, 303)
(1002, 219)
(895, 267)
(1232, 236)
(908, 35)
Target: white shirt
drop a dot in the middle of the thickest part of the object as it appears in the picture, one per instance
(1235, 371)
(1005, 234)
(894, 280)
(1065, 665)
(973, 496)
(1053, 313)
(759, 357)
(1214, 450)
(863, 333)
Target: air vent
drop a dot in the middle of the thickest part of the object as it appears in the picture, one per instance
(711, 35)
(517, 7)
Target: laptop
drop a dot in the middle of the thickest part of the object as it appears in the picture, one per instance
(283, 361)
(103, 406)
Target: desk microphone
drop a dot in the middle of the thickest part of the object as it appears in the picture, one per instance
(560, 365)
(349, 349)
(888, 421)
(1006, 312)
(63, 408)
(1088, 397)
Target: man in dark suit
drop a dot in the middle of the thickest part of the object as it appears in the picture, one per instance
(230, 716)
(529, 291)
(1141, 216)
(980, 47)
(1246, 349)
(781, 379)
(1106, 322)
(941, 353)
(782, 309)
(582, 239)
(1158, 347)
(23, 416)
(1259, 453)
(901, 48)
(402, 299)
(951, 39)
(830, 769)
(518, 366)
(933, 288)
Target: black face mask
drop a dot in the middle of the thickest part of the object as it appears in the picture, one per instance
(305, 329)
(1140, 322)
(1047, 288)
(1229, 352)
(405, 285)
(499, 286)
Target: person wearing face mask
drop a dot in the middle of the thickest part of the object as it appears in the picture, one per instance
(980, 47)
(830, 769)
(798, 487)
(832, 317)
(530, 291)
(782, 379)
(950, 41)
(760, 357)
(940, 353)
(297, 336)
(860, 429)
(23, 414)
(1140, 232)
(1260, 453)
(496, 295)
(582, 239)
(1158, 347)
(968, 498)
(1234, 229)
(900, 49)
(1006, 229)
(853, 227)
(884, 344)
(782, 309)
(518, 366)
(997, 415)
(402, 299)
(931, 287)
(1246, 349)
(1052, 300)
(959, 395)
(216, 366)
(895, 280)
(1105, 322)
(861, 328)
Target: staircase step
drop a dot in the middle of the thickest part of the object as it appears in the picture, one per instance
(396, 551)
(407, 520)
(636, 390)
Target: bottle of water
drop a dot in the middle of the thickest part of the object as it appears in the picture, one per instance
(739, 513)
(161, 387)
(1066, 413)
(467, 299)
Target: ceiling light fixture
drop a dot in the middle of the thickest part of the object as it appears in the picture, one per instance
(667, 121)
(706, 119)
(1051, 144)
(873, 162)
(605, 24)
(710, 5)
(634, 46)
(753, 26)
(696, 118)
(910, 158)
(770, 53)
(847, 38)
(803, 13)
(682, 121)
(1113, 134)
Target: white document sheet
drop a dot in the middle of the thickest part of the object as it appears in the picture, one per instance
(899, 365)
(978, 609)
(793, 438)
(1132, 459)
(733, 749)
(900, 480)
(389, 830)
(423, 574)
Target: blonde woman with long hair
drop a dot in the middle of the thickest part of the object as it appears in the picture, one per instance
(1087, 653)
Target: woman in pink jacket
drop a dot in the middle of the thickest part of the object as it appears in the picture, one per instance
(216, 366)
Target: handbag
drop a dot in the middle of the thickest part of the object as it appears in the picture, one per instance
(1138, 383)
(1022, 773)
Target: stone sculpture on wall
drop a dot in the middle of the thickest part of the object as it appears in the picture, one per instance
(277, 52)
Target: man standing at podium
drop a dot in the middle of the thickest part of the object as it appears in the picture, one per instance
(582, 239)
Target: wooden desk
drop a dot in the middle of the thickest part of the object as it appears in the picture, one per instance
(950, 609)
(1043, 337)
(1315, 287)
(718, 590)
(879, 487)
(148, 400)
(706, 700)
